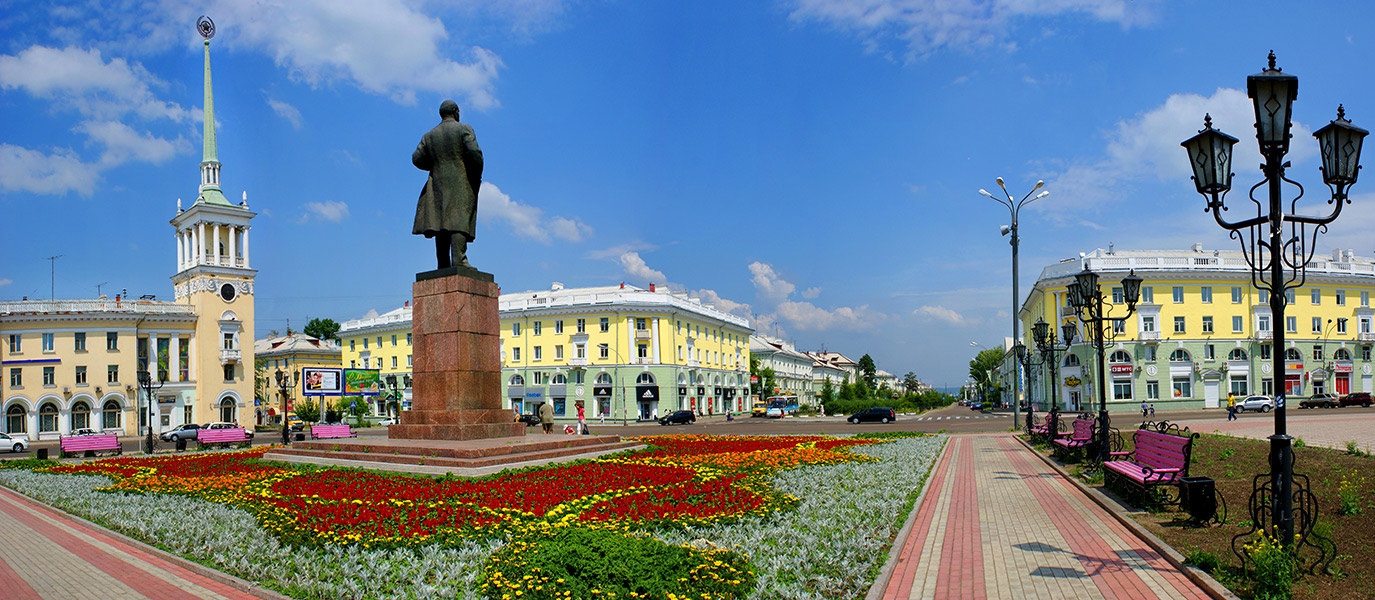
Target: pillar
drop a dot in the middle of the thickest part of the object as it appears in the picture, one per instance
(174, 359)
(233, 232)
(181, 249)
(215, 249)
(200, 243)
(245, 248)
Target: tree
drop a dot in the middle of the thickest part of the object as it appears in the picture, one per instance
(766, 377)
(982, 368)
(828, 391)
(910, 382)
(262, 383)
(868, 371)
(324, 329)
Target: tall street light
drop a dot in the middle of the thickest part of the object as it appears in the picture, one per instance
(1045, 344)
(150, 387)
(1277, 246)
(1086, 297)
(1014, 207)
(1029, 361)
(285, 381)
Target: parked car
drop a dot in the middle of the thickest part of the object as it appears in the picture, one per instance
(185, 431)
(1357, 399)
(529, 420)
(85, 431)
(248, 431)
(1319, 401)
(15, 444)
(679, 417)
(1256, 403)
(882, 414)
(774, 412)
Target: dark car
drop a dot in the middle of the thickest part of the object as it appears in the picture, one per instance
(181, 432)
(529, 420)
(976, 406)
(1357, 399)
(1319, 401)
(882, 414)
(683, 417)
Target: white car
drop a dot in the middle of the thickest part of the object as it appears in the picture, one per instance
(15, 444)
(1256, 403)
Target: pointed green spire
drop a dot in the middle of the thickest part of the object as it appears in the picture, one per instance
(210, 162)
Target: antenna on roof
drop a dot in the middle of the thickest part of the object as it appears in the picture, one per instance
(52, 275)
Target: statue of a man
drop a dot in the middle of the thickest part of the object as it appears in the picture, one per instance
(447, 209)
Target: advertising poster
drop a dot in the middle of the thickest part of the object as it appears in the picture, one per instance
(362, 382)
(320, 381)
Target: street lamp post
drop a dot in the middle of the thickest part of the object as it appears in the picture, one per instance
(1028, 362)
(150, 387)
(1014, 207)
(1086, 297)
(1278, 258)
(1045, 344)
(285, 381)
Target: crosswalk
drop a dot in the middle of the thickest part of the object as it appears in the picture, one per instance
(962, 417)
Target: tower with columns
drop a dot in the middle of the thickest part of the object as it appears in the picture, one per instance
(215, 277)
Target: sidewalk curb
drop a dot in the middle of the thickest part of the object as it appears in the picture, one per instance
(242, 585)
(1196, 575)
(885, 574)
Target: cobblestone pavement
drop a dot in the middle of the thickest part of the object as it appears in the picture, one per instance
(46, 555)
(1330, 427)
(997, 522)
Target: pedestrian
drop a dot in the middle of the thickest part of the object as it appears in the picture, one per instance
(515, 408)
(1231, 407)
(546, 417)
(1143, 410)
(1152, 411)
(582, 419)
(654, 416)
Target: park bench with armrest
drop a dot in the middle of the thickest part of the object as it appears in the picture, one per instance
(223, 437)
(1048, 429)
(1078, 439)
(1160, 459)
(81, 444)
(321, 432)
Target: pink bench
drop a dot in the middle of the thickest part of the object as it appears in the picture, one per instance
(1159, 459)
(321, 432)
(223, 437)
(80, 444)
(1043, 429)
(1081, 437)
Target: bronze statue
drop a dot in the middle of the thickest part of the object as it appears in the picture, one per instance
(447, 209)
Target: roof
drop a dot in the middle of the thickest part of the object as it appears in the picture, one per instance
(295, 343)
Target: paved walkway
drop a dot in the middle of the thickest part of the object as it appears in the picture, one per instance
(997, 522)
(48, 556)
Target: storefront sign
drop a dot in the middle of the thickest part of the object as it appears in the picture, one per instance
(647, 393)
(601, 391)
(1121, 369)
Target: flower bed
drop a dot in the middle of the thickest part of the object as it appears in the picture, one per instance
(705, 488)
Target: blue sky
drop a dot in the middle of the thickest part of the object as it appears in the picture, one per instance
(810, 164)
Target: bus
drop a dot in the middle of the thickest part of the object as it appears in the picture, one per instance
(785, 405)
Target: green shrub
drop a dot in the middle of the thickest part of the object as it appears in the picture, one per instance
(1350, 491)
(574, 562)
(1299, 443)
(1273, 568)
(1204, 560)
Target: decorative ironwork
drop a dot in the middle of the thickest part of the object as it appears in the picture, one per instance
(205, 27)
(1167, 427)
(1314, 550)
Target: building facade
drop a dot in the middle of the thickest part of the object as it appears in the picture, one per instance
(75, 364)
(382, 342)
(1201, 331)
(626, 353)
(792, 370)
(288, 354)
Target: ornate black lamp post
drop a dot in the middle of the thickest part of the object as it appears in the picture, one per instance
(285, 382)
(1014, 207)
(1277, 256)
(150, 387)
(1087, 300)
(1045, 344)
(1027, 363)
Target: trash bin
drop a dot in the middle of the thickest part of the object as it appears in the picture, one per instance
(1198, 497)
(181, 445)
(300, 437)
(42, 454)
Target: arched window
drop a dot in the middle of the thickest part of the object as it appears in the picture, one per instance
(682, 379)
(111, 415)
(716, 380)
(1179, 355)
(16, 421)
(1236, 354)
(644, 379)
(47, 418)
(81, 415)
(701, 379)
(1341, 354)
(1293, 354)
(558, 379)
(604, 379)
(1071, 360)
(227, 411)
(1120, 356)
(517, 380)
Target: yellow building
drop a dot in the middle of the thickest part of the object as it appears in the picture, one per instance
(1201, 331)
(73, 364)
(383, 343)
(288, 354)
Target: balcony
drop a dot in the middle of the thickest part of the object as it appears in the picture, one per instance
(229, 356)
(1366, 336)
(577, 362)
(642, 334)
(692, 362)
(1265, 334)
(644, 360)
(1150, 336)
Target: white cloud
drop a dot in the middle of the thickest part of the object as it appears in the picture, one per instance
(809, 317)
(619, 249)
(6, 281)
(528, 221)
(83, 80)
(739, 309)
(286, 111)
(940, 313)
(22, 169)
(811, 293)
(635, 267)
(333, 211)
(925, 26)
(123, 144)
(768, 283)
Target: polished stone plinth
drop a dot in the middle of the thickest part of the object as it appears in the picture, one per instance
(468, 457)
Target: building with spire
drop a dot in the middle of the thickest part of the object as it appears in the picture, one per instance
(75, 363)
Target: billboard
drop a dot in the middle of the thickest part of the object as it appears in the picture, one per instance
(362, 382)
(319, 381)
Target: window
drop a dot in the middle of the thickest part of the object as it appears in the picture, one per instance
(1148, 295)
(680, 353)
(1236, 354)
(1288, 296)
(517, 380)
(1341, 297)
(1265, 296)
(1119, 326)
(48, 342)
(1178, 294)
(47, 418)
(1239, 386)
(1316, 295)
(1267, 387)
(81, 375)
(393, 362)
(1317, 325)
(1291, 324)
(1265, 351)
(393, 341)
(1293, 354)
(408, 339)
(16, 377)
(1341, 325)
(641, 324)
(582, 325)
(352, 348)
(642, 350)
(558, 352)
(1207, 324)
(229, 372)
(1120, 356)
(558, 326)
(1207, 293)
(1365, 299)
(1122, 390)
(79, 341)
(408, 361)
(1147, 323)
(1152, 390)
(365, 343)
(16, 343)
(1236, 295)
(379, 341)
(1179, 324)
(1117, 297)
(1236, 324)
(515, 330)
(580, 351)
(1209, 352)
(538, 378)
(1150, 353)
(603, 351)
(1182, 387)
(1365, 353)
(1317, 352)
(49, 376)
(1180, 356)
(537, 328)
(538, 353)
(515, 354)
(605, 324)
(1263, 323)
(112, 374)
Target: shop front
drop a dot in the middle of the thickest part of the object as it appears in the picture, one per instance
(647, 396)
